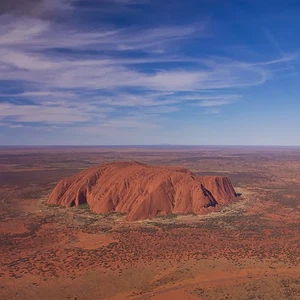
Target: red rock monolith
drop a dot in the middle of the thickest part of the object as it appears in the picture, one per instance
(142, 191)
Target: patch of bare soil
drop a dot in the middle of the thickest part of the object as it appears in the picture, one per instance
(12, 227)
(245, 250)
(92, 241)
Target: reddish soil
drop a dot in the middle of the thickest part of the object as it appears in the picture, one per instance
(92, 241)
(246, 249)
(12, 227)
(142, 191)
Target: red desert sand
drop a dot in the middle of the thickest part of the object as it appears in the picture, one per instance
(142, 191)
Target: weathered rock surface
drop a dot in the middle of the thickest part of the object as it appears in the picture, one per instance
(142, 191)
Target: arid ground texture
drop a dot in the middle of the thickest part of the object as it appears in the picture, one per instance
(246, 249)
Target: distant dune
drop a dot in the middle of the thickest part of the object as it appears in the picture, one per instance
(142, 191)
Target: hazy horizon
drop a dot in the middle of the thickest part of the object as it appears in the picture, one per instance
(148, 145)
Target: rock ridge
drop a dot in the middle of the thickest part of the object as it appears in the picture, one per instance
(142, 191)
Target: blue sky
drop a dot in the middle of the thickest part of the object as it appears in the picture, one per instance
(114, 72)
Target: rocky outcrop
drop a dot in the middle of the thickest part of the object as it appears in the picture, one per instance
(142, 191)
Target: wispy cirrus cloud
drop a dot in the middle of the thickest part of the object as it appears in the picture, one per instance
(98, 73)
(77, 75)
(51, 113)
(209, 103)
(219, 100)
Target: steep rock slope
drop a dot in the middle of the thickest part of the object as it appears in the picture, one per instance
(142, 191)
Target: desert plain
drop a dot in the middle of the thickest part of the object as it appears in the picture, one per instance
(248, 249)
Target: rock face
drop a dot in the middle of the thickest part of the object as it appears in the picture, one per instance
(142, 191)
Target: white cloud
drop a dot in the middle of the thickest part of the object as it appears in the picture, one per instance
(218, 102)
(42, 94)
(69, 88)
(16, 126)
(58, 114)
(32, 63)
(145, 100)
(128, 122)
(53, 73)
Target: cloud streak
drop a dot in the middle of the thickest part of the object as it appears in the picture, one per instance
(47, 113)
(78, 75)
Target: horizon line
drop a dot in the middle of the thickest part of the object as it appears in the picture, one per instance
(148, 145)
